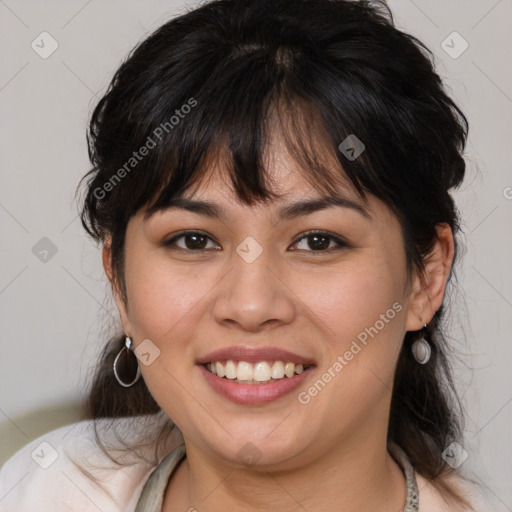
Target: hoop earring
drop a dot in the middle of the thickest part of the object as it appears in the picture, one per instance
(421, 350)
(128, 348)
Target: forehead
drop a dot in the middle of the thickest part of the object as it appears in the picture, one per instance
(287, 178)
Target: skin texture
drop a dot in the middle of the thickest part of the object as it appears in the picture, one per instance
(319, 455)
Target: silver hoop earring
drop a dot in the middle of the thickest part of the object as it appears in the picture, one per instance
(127, 350)
(421, 350)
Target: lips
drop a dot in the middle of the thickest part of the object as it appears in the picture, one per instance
(254, 355)
(255, 394)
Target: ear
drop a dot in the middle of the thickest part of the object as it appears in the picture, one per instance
(428, 287)
(113, 279)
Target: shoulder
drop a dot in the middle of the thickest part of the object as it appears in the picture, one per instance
(65, 470)
(431, 499)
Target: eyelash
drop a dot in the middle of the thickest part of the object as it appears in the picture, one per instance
(341, 244)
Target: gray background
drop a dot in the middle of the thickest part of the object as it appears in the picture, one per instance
(54, 313)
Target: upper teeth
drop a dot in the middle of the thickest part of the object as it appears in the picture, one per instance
(261, 371)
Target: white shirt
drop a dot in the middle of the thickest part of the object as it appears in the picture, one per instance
(50, 474)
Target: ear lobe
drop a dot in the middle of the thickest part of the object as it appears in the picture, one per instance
(429, 287)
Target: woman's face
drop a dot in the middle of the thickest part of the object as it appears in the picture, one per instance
(251, 280)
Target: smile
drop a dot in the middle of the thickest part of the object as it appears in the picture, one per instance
(262, 372)
(247, 389)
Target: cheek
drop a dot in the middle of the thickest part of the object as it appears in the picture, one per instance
(165, 307)
(361, 306)
(163, 300)
(350, 299)
(160, 301)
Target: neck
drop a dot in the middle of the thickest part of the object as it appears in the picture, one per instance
(345, 478)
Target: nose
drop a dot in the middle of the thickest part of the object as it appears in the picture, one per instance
(254, 296)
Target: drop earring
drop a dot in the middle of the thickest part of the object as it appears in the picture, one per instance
(421, 350)
(127, 352)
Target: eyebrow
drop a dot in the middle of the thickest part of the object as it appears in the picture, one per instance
(287, 212)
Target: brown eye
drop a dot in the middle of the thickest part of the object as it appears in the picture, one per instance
(319, 241)
(192, 241)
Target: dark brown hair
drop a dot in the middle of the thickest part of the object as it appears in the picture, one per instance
(217, 79)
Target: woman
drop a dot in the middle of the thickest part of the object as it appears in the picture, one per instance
(271, 188)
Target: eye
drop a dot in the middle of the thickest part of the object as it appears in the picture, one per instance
(193, 241)
(320, 241)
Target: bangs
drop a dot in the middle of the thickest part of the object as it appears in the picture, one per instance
(241, 144)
